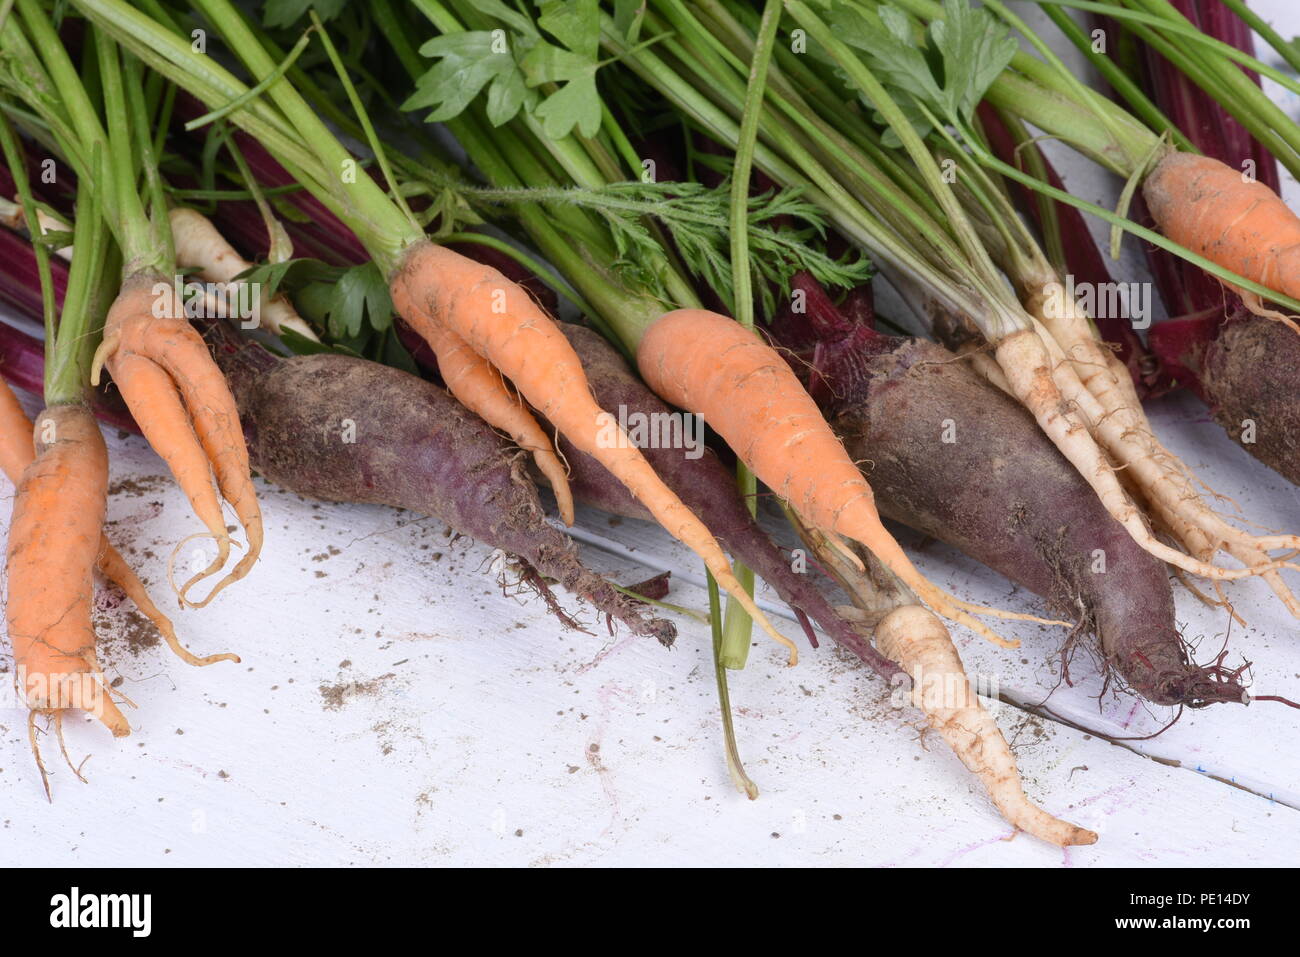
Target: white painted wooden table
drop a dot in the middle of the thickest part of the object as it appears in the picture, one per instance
(393, 707)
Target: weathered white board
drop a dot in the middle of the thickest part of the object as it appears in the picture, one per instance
(393, 706)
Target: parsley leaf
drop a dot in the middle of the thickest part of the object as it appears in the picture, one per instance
(576, 24)
(338, 299)
(975, 48)
(469, 62)
(967, 50)
(359, 292)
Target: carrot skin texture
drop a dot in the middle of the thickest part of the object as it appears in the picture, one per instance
(16, 453)
(1208, 207)
(706, 486)
(1005, 496)
(415, 448)
(706, 363)
(54, 546)
(480, 388)
(173, 350)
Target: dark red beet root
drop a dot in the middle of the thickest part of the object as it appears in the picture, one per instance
(998, 490)
(415, 447)
(1249, 374)
(1001, 493)
(704, 484)
(1244, 367)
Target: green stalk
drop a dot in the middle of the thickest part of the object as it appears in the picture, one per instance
(290, 129)
(738, 627)
(373, 140)
(983, 274)
(1048, 216)
(734, 766)
(171, 55)
(160, 233)
(1141, 232)
(856, 170)
(66, 84)
(383, 227)
(843, 208)
(1287, 51)
(135, 234)
(1164, 16)
(846, 141)
(1068, 120)
(239, 102)
(1098, 125)
(91, 288)
(1120, 81)
(1237, 93)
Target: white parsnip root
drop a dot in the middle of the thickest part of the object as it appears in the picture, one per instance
(13, 216)
(1094, 438)
(200, 246)
(1099, 389)
(919, 642)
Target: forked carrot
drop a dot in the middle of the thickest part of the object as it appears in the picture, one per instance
(16, 453)
(175, 365)
(480, 388)
(54, 544)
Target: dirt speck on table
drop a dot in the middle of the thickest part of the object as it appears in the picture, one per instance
(335, 696)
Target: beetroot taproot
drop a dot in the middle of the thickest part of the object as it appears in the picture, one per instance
(954, 457)
(344, 429)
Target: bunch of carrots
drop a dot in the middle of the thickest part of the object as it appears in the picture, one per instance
(809, 159)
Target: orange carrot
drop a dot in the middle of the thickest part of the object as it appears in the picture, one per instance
(1240, 224)
(712, 365)
(16, 453)
(480, 388)
(16, 450)
(435, 288)
(197, 441)
(54, 544)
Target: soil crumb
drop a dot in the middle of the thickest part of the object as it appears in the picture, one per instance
(335, 696)
(138, 486)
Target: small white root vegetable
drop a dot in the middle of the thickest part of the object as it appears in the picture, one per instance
(13, 216)
(200, 246)
(1048, 387)
(1106, 398)
(919, 642)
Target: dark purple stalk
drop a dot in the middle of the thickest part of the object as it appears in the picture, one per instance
(22, 356)
(20, 281)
